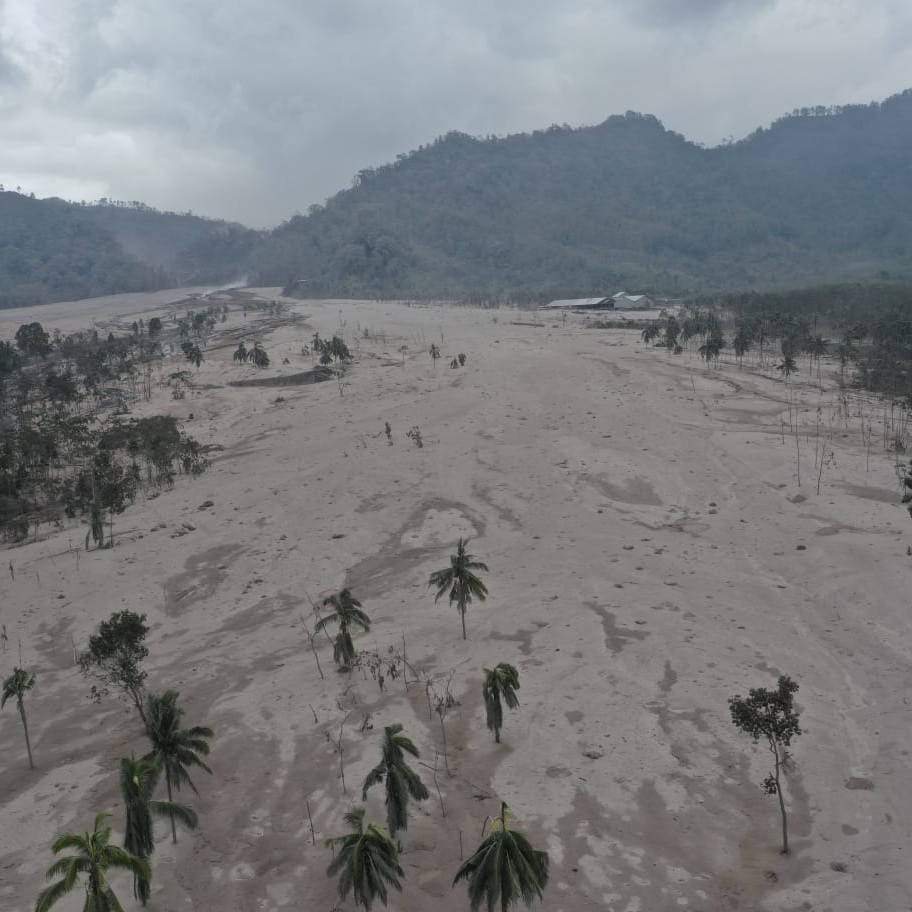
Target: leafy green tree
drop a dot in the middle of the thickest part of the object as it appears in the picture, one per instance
(16, 686)
(31, 339)
(138, 779)
(9, 360)
(504, 869)
(711, 349)
(339, 349)
(240, 353)
(366, 861)
(175, 749)
(461, 579)
(500, 686)
(93, 856)
(347, 613)
(112, 487)
(402, 782)
(115, 656)
(771, 715)
(155, 327)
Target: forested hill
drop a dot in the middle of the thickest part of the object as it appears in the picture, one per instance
(823, 194)
(51, 250)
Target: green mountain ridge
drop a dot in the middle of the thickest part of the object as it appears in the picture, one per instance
(822, 195)
(53, 250)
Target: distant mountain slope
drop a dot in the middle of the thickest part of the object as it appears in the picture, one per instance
(52, 250)
(824, 194)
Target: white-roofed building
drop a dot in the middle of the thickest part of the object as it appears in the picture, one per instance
(624, 301)
(580, 304)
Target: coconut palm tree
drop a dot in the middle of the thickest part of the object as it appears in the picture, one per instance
(17, 685)
(742, 343)
(787, 366)
(174, 749)
(402, 782)
(258, 355)
(347, 613)
(500, 686)
(651, 332)
(817, 347)
(367, 862)
(240, 353)
(435, 353)
(93, 856)
(504, 869)
(138, 779)
(460, 579)
(194, 355)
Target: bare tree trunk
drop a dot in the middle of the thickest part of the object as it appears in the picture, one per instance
(139, 698)
(437, 787)
(785, 837)
(313, 838)
(446, 761)
(171, 815)
(462, 609)
(28, 743)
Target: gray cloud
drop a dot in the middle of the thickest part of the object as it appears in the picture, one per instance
(663, 13)
(252, 110)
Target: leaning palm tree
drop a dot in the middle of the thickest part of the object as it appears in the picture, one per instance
(504, 869)
(402, 781)
(500, 684)
(138, 779)
(93, 856)
(367, 861)
(16, 686)
(174, 749)
(460, 579)
(347, 613)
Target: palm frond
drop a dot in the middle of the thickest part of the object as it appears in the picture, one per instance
(180, 812)
(65, 841)
(374, 777)
(52, 894)
(116, 857)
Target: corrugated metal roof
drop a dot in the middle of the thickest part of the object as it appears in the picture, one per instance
(578, 302)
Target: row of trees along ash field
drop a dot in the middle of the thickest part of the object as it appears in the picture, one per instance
(68, 448)
(860, 335)
(505, 868)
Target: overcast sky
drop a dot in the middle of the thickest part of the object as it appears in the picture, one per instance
(253, 109)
